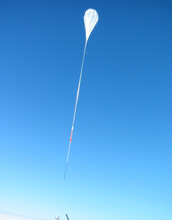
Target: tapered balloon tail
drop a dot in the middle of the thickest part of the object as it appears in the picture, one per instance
(65, 173)
(76, 103)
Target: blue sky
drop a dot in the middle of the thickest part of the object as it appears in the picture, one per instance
(120, 162)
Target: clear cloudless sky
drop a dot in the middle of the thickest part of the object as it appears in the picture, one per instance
(120, 166)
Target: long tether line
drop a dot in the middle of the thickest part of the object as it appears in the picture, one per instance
(77, 96)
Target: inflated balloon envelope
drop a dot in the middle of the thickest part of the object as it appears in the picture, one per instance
(90, 20)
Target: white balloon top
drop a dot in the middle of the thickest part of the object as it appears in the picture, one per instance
(90, 20)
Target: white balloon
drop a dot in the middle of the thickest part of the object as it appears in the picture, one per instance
(90, 20)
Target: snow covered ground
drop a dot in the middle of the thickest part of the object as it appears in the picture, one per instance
(4, 216)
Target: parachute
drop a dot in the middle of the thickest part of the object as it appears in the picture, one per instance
(90, 20)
